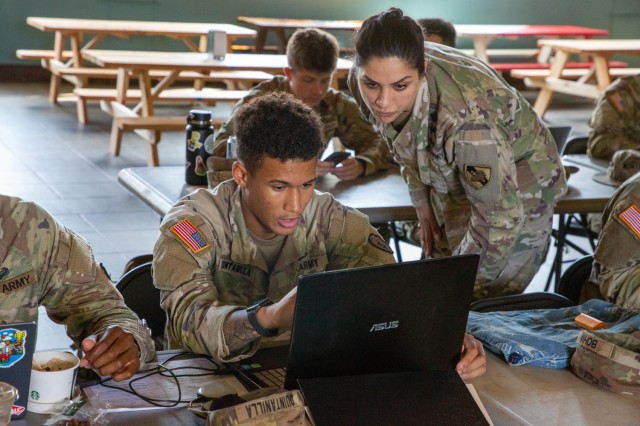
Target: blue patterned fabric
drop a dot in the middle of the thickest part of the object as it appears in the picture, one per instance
(545, 337)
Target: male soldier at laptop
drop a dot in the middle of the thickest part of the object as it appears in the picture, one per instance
(312, 56)
(245, 242)
(44, 263)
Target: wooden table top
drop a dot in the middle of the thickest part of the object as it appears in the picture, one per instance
(107, 26)
(301, 23)
(464, 30)
(608, 46)
(190, 60)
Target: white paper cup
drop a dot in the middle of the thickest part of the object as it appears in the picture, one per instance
(50, 387)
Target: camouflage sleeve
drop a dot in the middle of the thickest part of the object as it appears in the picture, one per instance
(79, 295)
(359, 135)
(619, 276)
(418, 191)
(352, 241)
(487, 173)
(188, 293)
(615, 124)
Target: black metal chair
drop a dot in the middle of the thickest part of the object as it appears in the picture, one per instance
(517, 302)
(573, 224)
(576, 145)
(143, 298)
(560, 135)
(574, 278)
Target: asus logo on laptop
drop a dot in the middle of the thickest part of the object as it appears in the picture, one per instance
(384, 326)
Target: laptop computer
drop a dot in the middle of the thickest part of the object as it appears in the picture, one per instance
(408, 316)
(17, 343)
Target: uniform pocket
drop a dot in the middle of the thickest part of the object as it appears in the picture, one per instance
(479, 166)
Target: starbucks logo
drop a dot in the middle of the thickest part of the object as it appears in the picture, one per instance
(35, 395)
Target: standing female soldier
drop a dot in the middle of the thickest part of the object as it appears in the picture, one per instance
(482, 169)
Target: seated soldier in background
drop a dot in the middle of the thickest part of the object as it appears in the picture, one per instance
(312, 56)
(615, 122)
(438, 30)
(42, 263)
(616, 265)
(246, 241)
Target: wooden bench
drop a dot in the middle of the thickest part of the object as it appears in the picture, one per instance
(509, 66)
(39, 55)
(233, 80)
(535, 77)
(155, 124)
(150, 127)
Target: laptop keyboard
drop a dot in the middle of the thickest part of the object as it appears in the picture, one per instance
(273, 377)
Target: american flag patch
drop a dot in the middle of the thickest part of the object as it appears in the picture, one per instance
(631, 216)
(190, 235)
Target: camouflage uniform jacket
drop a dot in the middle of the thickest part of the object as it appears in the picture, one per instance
(44, 263)
(616, 266)
(477, 152)
(340, 118)
(203, 283)
(615, 122)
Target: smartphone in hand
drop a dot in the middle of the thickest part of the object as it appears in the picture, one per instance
(337, 157)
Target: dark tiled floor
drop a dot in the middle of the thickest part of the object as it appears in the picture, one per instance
(48, 157)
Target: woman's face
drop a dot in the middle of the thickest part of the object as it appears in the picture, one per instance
(389, 87)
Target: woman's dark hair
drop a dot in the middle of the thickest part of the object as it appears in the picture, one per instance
(280, 126)
(390, 34)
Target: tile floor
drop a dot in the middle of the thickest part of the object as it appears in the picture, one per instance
(48, 157)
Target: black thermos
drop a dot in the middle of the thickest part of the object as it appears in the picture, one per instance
(199, 146)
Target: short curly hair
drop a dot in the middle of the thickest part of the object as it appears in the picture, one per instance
(311, 49)
(280, 126)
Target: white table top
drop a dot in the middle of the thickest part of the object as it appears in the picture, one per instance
(190, 60)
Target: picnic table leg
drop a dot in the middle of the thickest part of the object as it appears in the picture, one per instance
(148, 111)
(603, 79)
(282, 40)
(546, 93)
(54, 85)
(122, 84)
(261, 38)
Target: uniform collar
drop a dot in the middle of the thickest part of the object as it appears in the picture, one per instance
(293, 249)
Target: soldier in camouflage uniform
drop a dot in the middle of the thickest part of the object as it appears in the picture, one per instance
(312, 55)
(482, 168)
(224, 249)
(616, 266)
(44, 263)
(615, 122)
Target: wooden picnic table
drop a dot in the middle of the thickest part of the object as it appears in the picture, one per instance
(600, 51)
(142, 117)
(75, 29)
(278, 26)
(484, 35)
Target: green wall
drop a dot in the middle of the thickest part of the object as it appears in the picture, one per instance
(620, 17)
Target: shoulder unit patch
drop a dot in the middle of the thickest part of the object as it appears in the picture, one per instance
(379, 243)
(477, 176)
(190, 235)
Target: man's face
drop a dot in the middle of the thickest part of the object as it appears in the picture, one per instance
(275, 195)
(308, 86)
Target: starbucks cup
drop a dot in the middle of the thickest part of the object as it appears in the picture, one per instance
(52, 377)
